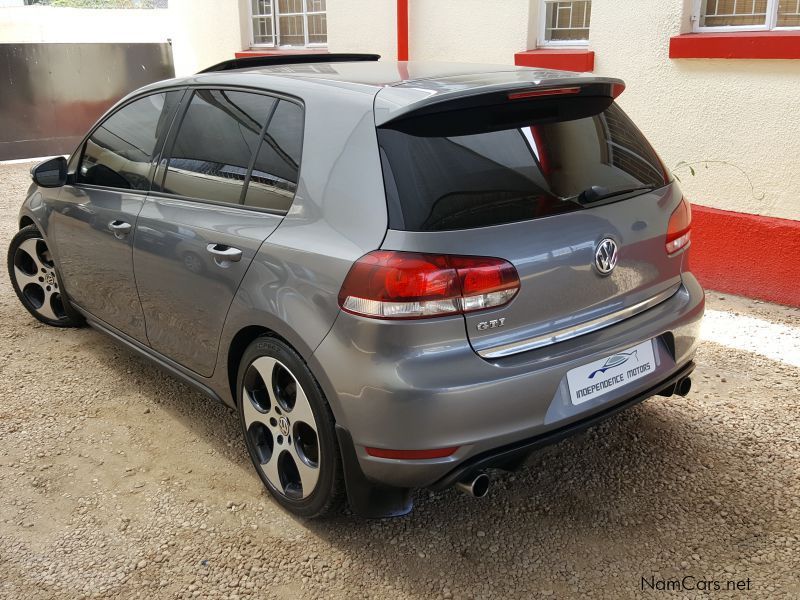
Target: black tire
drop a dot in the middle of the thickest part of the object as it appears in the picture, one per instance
(35, 279)
(263, 427)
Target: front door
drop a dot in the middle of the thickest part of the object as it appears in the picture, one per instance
(93, 220)
(227, 178)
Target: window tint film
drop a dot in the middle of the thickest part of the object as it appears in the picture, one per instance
(440, 182)
(274, 178)
(119, 151)
(218, 137)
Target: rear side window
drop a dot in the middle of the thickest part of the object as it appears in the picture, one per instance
(273, 181)
(237, 148)
(442, 182)
(118, 152)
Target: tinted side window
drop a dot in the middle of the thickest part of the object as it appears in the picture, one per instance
(119, 151)
(215, 144)
(274, 179)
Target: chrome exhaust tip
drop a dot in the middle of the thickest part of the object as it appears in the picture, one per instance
(683, 386)
(476, 486)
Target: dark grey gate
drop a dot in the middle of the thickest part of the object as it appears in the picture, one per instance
(50, 94)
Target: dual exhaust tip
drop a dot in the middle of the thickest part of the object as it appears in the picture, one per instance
(682, 387)
(476, 485)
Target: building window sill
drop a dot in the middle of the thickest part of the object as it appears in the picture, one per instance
(747, 44)
(564, 59)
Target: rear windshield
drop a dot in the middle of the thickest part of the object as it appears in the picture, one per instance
(441, 182)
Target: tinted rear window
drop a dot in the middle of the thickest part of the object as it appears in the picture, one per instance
(441, 182)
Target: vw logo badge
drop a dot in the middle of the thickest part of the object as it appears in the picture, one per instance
(605, 256)
(283, 425)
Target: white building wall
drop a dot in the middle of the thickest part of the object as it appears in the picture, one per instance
(203, 32)
(439, 30)
(745, 112)
(468, 30)
(363, 26)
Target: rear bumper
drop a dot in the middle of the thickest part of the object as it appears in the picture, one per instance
(416, 385)
(511, 456)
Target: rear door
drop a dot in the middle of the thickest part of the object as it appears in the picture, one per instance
(541, 188)
(94, 218)
(227, 179)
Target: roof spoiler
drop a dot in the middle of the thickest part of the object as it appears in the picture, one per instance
(394, 104)
(290, 59)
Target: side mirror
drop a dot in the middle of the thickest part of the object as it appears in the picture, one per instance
(51, 173)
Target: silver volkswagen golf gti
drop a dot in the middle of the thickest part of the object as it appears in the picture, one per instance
(400, 275)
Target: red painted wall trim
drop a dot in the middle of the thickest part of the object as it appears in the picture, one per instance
(748, 44)
(746, 254)
(402, 29)
(564, 60)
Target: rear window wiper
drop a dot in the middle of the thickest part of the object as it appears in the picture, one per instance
(598, 192)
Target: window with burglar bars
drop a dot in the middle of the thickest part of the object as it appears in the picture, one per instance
(565, 23)
(748, 14)
(289, 23)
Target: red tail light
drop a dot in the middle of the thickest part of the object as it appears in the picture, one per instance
(679, 230)
(406, 285)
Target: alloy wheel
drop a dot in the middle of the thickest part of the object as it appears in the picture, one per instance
(280, 428)
(36, 278)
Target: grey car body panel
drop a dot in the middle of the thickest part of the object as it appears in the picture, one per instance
(410, 384)
(185, 292)
(79, 228)
(554, 256)
(435, 391)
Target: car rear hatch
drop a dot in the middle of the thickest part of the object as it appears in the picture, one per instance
(540, 174)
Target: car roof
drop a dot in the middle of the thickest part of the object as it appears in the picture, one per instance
(400, 86)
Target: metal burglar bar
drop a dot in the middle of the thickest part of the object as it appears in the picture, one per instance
(263, 23)
(733, 15)
(789, 13)
(566, 22)
(290, 23)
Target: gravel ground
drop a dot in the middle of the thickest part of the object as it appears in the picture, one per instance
(118, 481)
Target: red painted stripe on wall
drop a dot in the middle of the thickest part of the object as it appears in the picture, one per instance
(402, 30)
(746, 254)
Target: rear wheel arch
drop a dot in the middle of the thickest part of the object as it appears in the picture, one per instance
(239, 343)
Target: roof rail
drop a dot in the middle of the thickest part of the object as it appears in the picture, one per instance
(290, 59)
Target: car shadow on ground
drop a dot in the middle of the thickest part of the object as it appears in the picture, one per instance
(663, 470)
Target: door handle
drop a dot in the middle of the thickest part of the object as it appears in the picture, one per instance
(120, 228)
(224, 255)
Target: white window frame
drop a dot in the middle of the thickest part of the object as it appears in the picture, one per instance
(544, 43)
(770, 24)
(276, 27)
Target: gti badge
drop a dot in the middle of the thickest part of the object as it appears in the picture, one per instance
(493, 324)
(605, 256)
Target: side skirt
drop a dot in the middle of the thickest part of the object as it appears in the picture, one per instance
(160, 360)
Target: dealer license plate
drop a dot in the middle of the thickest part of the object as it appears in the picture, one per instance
(603, 376)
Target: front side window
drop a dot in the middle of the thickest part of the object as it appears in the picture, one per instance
(289, 23)
(237, 148)
(565, 22)
(119, 151)
(722, 15)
